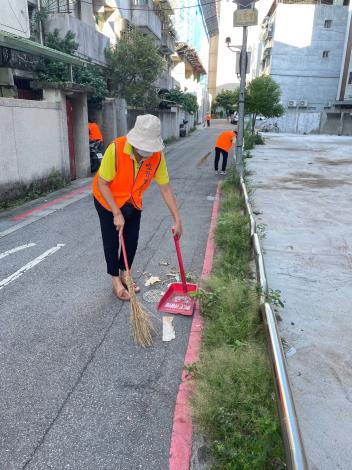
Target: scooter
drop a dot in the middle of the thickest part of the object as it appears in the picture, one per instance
(183, 130)
(96, 154)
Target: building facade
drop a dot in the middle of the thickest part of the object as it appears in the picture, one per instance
(302, 49)
(59, 113)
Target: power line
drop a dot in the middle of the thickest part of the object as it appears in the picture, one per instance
(213, 2)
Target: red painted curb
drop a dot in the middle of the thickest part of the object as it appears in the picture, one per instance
(51, 203)
(181, 438)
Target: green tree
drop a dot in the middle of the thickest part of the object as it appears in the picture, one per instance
(187, 101)
(51, 70)
(135, 64)
(263, 97)
(227, 99)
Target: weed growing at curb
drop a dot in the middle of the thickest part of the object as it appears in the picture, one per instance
(24, 193)
(233, 402)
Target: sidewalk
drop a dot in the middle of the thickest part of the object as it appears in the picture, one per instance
(302, 192)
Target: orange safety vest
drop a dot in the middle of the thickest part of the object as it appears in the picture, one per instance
(208, 117)
(225, 140)
(94, 132)
(126, 186)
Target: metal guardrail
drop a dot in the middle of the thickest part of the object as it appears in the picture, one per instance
(294, 448)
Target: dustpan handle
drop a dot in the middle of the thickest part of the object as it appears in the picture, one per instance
(180, 262)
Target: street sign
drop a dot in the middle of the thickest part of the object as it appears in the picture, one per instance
(245, 18)
(238, 62)
(244, 3)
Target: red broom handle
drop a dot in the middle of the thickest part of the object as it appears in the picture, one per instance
(180, 262)
(122, 241)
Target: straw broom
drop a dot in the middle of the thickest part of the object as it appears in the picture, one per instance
(203, 159)
(142, 327)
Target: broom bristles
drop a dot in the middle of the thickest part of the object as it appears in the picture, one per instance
(141, 324)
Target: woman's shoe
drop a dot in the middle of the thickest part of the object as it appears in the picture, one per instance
(121, 294)
(137, 289)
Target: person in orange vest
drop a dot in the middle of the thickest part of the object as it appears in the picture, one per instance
(208, 119)
(94, 132)
(129, 165)
(223, 145)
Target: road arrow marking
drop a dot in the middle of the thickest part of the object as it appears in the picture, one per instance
(30, 265)
(14, 250)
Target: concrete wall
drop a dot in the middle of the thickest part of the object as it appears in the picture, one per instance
(336, 123)
(170, 120)
(114, 119)
(297, 62)
(80, 135)
(297, 121)
(92, 44)
(33, 140)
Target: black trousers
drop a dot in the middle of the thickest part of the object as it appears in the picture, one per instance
(111, 236)
(217, 158)
(208, 122)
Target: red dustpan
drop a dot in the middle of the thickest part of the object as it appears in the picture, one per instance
(177, 299)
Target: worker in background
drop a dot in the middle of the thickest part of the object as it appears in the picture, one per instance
(208, 119)
(129, 165)
(223, 145)
(95, 134)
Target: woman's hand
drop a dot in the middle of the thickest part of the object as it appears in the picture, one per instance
(119, 221)
(177, 229)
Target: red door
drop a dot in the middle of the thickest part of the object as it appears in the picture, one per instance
(71, 145)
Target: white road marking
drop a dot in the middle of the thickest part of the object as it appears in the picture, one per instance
(44, 213)
(14, 250)
(30, 265)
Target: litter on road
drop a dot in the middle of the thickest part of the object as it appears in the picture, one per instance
(152, 280)
(168, 329)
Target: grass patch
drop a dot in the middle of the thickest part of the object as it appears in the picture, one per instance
(233, 402)
(170, 140)
(250, 140)
(22, 193)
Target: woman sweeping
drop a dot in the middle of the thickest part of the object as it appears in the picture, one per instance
(129, 165)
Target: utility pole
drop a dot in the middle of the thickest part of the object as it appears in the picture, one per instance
(40, 23)
(245, 15)
(240, 135)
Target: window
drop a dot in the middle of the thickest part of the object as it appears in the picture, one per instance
(326, 54)
(77, 9)
(327, 23)
(350, 79)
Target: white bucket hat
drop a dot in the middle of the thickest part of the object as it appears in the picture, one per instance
(145, 134)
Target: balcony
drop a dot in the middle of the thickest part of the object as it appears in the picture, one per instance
(165, 81)
(92, 44)
(146, 19)
(167, 45)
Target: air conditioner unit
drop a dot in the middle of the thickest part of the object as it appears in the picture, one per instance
(292, 104)
(328, 105)
(303, 104)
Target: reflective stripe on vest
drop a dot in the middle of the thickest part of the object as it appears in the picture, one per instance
(126, 186)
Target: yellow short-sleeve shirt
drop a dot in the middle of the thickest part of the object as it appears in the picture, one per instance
(107, 168)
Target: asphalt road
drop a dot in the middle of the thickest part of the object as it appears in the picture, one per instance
(302, 192)
(75, 392)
